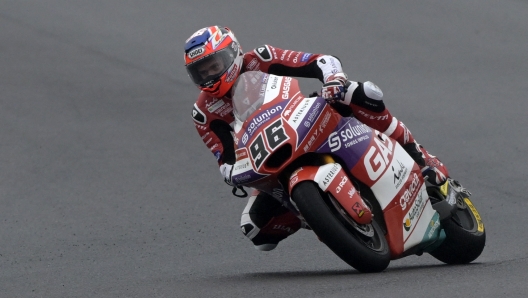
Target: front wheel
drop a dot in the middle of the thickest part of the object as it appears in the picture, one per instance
(363, 247)
(465, 234)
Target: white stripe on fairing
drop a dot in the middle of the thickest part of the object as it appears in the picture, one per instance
(392, 127)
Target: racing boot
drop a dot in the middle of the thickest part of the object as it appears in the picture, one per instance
(266, 222)
(431, 166)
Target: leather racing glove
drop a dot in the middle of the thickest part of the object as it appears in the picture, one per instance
(227, 170)
(335, 87)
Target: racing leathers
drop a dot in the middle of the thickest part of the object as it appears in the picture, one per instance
(264, 220)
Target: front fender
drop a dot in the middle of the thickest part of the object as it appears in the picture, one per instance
(332, 178)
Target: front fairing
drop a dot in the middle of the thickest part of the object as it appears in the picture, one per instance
(273, 119)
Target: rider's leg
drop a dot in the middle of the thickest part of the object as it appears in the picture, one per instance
(266, 222)
(366, 102)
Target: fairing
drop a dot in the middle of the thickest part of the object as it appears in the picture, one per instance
(271, 114)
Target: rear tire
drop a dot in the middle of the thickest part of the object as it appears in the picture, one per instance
(339, 232)
(465, 235)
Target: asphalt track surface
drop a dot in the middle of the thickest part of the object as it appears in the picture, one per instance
(106, 190)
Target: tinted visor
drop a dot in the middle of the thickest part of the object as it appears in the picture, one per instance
(210, 68)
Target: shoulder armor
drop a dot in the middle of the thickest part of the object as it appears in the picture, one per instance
(198, 116)
(264, 53)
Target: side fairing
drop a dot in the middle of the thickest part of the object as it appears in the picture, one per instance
(350, 141)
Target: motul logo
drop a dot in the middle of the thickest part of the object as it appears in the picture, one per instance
(194, 53)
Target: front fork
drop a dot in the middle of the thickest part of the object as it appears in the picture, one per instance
(332, 178)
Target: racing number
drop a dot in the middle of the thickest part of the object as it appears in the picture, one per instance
(377, 158)
(275, 136)
(258, 151)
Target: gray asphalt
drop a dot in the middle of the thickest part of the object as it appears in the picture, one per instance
(106, 190)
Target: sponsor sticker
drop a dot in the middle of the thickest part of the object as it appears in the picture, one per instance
(480, 224)
(306, 57)
(196, 52)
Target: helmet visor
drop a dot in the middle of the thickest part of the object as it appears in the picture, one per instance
(208, 70)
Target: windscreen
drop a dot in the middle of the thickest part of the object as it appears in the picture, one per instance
(248, 93)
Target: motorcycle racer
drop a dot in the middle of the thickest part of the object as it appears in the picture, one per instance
(214, 59)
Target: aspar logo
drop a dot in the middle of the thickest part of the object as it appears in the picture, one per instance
(286, 88)
(346, 134)
(399, 174)
(195, 53)
(410, 192)
(341, 184)
(262, 118)
(331, 174)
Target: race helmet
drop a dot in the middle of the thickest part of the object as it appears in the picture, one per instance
(213, 59)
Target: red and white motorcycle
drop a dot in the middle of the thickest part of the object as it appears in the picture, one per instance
(357, 189)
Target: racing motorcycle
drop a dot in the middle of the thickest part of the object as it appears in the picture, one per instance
(357, 189)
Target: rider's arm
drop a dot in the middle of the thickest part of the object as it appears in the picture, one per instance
(281, 62)
(214, 128)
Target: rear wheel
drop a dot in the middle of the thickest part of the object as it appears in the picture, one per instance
(465, 234)
(363, 247)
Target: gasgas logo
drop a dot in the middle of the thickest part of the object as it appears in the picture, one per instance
(410, 192)
(286, 88)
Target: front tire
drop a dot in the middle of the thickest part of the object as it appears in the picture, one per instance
(465, 235)
(363, 247)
